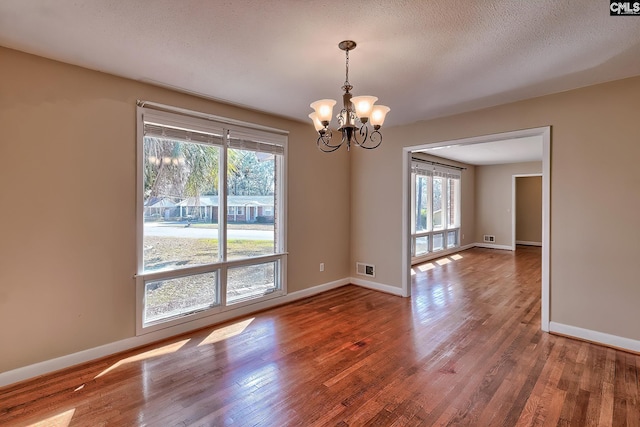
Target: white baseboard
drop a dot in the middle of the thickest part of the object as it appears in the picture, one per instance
(52, 365)
(493, 246)
(595, 337)
(465, 247)
(527, 243)
(394, 290)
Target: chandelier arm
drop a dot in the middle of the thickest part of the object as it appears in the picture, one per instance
(323, 142)
(364, 133)
(322, 148)
(326, 139)
(375, 136)
(328, 150)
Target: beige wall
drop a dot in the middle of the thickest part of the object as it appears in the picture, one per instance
(594, 285)
(493, 199)
(529, 209)
(68, 205)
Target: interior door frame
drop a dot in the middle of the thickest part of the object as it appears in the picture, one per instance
(545, 134)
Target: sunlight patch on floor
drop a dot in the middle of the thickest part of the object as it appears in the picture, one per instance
(422, 268)
(62, 419)
(167, 349)
(227, 332)
(426, 267)
(430, 265)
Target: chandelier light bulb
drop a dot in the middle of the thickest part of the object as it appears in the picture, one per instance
(324, 109)
(379, 112)
(363, 106)
(316, 122)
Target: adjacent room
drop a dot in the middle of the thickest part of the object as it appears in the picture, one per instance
(207, 220)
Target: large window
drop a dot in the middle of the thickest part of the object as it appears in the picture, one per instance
(211, 215)
(435, 213)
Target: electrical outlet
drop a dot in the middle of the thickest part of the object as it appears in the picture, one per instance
(322, 266)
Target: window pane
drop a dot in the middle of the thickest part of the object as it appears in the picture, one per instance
(251, 200)
(251, 281)
(180, 194)
(453, 204)
(180, 204)
(452, 238)
(175, 297)
(422, 203)
(437, 203)
(438, 242)
(422, 245)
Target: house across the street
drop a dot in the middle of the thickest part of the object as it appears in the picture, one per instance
(205, 208)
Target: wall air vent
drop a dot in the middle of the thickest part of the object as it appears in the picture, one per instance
(489, 238)
(365, 269)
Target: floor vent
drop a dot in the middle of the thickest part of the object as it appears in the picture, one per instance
(489, 238)
(365, 269)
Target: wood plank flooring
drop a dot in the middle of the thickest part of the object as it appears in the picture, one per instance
(465, 349)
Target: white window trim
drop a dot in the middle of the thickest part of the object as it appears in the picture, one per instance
(202, 121)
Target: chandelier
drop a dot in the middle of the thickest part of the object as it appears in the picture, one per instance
(356, 112)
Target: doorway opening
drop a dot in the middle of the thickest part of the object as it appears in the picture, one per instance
(526, 211)
(541, 135)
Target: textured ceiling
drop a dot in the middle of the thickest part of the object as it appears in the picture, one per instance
(422, 58)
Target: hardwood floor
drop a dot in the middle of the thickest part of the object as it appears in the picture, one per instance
(466, 349)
